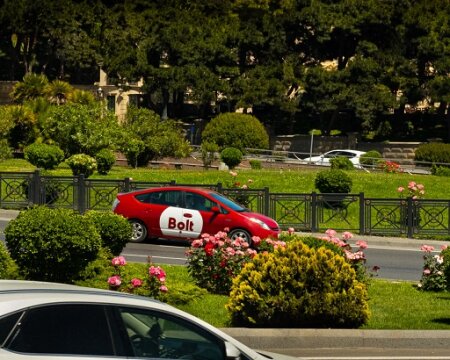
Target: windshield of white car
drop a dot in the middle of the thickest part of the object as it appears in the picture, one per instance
(227, 202)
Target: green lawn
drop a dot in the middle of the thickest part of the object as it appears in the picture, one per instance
(382, 185)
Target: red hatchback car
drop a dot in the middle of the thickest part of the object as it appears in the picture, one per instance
(186, 213)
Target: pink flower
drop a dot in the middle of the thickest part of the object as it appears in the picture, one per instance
(163, 288)
(331, 233)
(233, 173)
(291, 230)
(347, 235)
(256, 240)
(443, 247)
(244, 187)
(426, 272)
(118, 261)
(427, 248)
(411, 185)
(157, 272)
(250, 181)
(197, 243)
(361, 244)
(115, 281)
(136, 282)
(400, 189)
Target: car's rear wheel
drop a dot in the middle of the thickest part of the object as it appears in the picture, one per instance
(243, 234)
(139, 231)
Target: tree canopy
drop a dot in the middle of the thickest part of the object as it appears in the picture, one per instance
(332, 64)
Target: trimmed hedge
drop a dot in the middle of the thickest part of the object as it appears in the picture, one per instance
(52, 244)
(433, 153)
(43, 155)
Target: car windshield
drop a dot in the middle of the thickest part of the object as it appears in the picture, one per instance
(227, 202)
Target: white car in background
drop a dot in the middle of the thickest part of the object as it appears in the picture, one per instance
(41, 320)
(324, 159)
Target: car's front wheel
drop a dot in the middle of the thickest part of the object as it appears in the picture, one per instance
(243, 234)
(139, 231)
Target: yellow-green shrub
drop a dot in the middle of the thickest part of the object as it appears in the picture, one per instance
(298, 286)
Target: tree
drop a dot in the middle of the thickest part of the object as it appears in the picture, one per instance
(79, 128)
(147, 137)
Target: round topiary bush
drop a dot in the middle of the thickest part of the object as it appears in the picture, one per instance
(333, 181)
(52, 244)
(43, 155)
(82, 164)
(298, 286)
(236, 130)
(341, 162)
(105, 159)
(232, 157)
(114, 229)
(370, 158)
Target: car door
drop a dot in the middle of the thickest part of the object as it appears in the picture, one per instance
(326, 158)
(156, 335)
(63, 331)
(213, 219)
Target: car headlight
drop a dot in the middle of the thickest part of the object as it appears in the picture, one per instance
(260, 223)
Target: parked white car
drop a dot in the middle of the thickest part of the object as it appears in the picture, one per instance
(325, 158)
(57, 321)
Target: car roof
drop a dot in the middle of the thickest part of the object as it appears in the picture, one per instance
(349, 150)
(171, 188)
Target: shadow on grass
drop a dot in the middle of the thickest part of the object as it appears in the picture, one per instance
(445, 321)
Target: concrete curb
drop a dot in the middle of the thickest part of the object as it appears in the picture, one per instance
(340, 338)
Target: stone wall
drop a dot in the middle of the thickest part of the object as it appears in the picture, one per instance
(401, 152)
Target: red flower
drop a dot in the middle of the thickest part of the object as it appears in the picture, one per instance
(209, 249)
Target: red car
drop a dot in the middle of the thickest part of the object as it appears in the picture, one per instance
(186, 213)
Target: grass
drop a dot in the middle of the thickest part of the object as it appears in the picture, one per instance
(380, 185)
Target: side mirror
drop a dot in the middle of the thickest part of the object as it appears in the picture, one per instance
(232, 352)
(215, 209)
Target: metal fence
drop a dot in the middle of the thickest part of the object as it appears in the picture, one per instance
(305, 212)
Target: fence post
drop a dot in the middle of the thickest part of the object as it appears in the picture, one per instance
(314, 225)
(266, 198)
(127, 184)
(219, 187)
(173, 182)
(362, 223)
(34, 195)
(81, 194)
(409, 217)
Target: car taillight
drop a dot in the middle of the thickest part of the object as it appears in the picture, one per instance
(115, 203)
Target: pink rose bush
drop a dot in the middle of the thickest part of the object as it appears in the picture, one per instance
(435, 269)
(355, 257)
(414, 190)
(214, 260)
(152, 284)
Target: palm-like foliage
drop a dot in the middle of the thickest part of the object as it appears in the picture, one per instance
(58, 91)
(32, 87)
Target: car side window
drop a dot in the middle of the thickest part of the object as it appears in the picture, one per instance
(198, 202)
(64, 329)
(161, 336)
(170, 198)
(7, 324)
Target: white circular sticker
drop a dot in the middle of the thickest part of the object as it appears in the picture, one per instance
(181, 222)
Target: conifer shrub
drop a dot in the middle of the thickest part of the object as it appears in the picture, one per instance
(114, 230)
(105, 160)
(52, 244)
(298, 286)
(341, 162)
(333, 181)
(255, 164)
(44, 156)
(8, 268)
(232, 157)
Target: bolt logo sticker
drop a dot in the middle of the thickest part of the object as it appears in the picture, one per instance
(181, 222)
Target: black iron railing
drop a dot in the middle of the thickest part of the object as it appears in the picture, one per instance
(305, 212)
